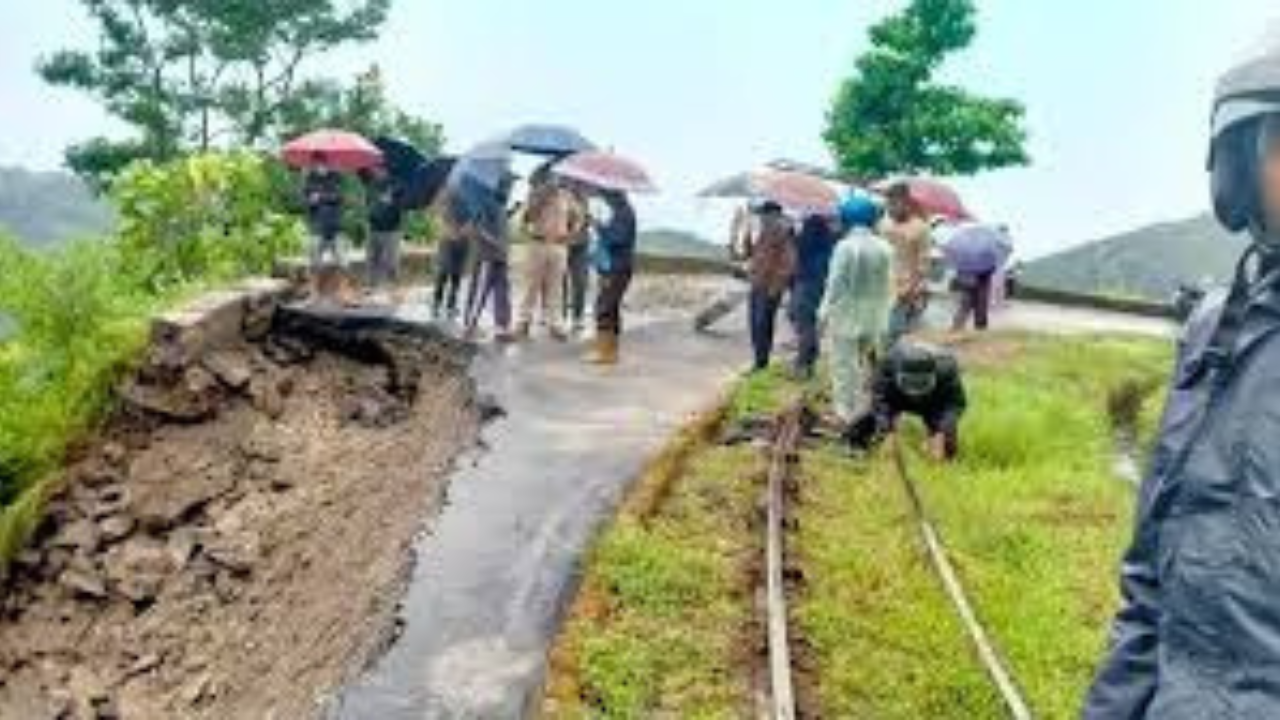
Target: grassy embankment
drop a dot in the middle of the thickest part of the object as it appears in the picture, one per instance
(77, 316)
(1034, 515)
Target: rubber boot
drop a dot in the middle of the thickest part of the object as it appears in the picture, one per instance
(605, 351)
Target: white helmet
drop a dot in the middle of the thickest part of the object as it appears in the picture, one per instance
(1246, 118)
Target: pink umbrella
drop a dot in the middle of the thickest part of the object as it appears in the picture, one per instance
(795, 191)
(607, 171)
(340, 149)
(934, 197)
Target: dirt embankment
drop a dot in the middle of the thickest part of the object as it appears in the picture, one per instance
(234, 544)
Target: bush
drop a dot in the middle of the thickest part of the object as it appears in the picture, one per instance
(206, 217)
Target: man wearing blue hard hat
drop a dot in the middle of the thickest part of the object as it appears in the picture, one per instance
(1199, 633)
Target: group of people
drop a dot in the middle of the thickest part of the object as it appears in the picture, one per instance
(857, 283)
(569, 232)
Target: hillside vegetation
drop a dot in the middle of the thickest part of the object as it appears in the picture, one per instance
(46, 208)
(680, 244)
(1147, 263)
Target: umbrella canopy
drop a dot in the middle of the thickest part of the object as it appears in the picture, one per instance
(551, 140)
(975, 248)
(401, 159)
(796, 191)
(487, 164)
(606, 171)
(428, 182)
(341, 150)
(933, 196)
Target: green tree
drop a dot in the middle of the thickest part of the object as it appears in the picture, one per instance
(891, 117)
(361, 107)
(187, 74)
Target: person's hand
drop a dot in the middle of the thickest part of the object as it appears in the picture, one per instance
(937, 448)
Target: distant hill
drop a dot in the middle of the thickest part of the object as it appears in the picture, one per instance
(1147, 263)
(46, 208)
(680, 244)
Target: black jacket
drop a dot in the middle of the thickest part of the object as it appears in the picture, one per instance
(941, 409)
(1199, 633)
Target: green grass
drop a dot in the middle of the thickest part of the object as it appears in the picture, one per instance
(886, 643)
(659, 629)
(1034, 515)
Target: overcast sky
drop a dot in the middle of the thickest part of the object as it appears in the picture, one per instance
(1117, 92)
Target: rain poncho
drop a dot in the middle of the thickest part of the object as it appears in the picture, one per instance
(1199, 634)
(855, 310)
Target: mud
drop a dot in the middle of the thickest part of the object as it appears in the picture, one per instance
(235, 542)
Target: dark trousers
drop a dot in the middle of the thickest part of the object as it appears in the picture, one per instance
(763, 315)
(806, 300)
(974, 300)
(578, 279)
(451, 265)
(613, 289)
(490, 282)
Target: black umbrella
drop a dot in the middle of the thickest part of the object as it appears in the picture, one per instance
(401, 159)
(429, 181)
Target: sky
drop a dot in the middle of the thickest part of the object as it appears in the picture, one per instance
(1117, 93)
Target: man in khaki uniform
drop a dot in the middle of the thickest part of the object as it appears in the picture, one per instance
(551, 220)
(907, 230)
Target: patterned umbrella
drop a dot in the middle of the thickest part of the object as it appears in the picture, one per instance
(606, 171)
(340, 149)
(799, 192)
(934, 197)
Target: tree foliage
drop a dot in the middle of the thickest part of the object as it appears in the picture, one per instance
(891, 117)
(194, 74)
(361, 107)
(201, 218)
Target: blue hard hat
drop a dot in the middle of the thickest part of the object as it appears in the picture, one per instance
(859, 211)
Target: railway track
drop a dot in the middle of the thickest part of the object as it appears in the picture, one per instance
(783, 463)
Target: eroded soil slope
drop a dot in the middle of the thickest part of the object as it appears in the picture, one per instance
(234, 545)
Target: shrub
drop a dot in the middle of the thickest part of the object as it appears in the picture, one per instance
(206, 217)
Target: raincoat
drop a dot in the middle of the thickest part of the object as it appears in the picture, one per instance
(855, 311)
(1199, 633)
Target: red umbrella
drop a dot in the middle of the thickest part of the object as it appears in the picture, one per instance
(606, 171)
(342, 150)
(795, 191)
(934, 197)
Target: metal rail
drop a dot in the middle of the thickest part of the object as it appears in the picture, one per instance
(782, 462)
(991, 661)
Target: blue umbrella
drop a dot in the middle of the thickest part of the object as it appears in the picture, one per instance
(487, 165)
(976, 248)
(552, 140)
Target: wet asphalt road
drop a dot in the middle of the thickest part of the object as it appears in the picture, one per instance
(498, 567)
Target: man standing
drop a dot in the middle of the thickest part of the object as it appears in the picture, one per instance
(578, 280)
(322, 192)
(907, 230)
(855, 307)
(452, 255)
(920, 380)
(770, 252)
(814, 246)
(615, 263)
(486, 229)
(386, 216)
(548, 223)
(1199, 633)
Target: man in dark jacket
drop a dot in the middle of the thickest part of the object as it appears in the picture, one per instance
(322, 193)
(386, 219)
(1199, 633)
(615, 264)
(920, 380)
(814, 247)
